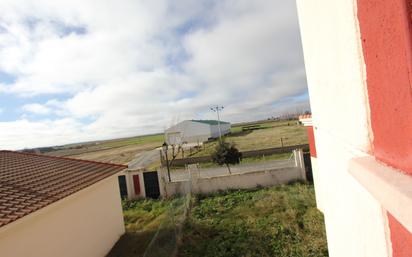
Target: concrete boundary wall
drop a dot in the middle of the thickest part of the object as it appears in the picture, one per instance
(234, 181)
(265, 178)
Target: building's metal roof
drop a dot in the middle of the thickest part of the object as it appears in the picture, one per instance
(211, 122)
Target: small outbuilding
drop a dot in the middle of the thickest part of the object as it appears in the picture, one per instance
(53, 206)
(195, 131)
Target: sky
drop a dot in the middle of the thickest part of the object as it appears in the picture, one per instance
(82, 70)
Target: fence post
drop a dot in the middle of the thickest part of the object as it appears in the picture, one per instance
(194, 176)
(161, 157)
(162, 182)
(295, 158)
(300, 163)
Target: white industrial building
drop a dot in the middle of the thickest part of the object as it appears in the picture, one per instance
(195, 131)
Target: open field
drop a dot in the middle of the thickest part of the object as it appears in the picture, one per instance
(280, 221)
(120, 155)
(119, 151)
(268, 135)
(125, 150)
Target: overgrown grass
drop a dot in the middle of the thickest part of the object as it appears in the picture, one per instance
(142, 220)
(272, 157)
(280, 221)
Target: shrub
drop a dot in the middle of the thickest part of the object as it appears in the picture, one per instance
(225, 154)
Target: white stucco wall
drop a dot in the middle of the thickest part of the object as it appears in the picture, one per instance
(355, 222)
(231, 181)
(246, 180)
(85, 224)
(234, 181)
(317, 181)
(130, 184)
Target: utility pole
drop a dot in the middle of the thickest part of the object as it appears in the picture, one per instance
(217, 109)
(165, 148)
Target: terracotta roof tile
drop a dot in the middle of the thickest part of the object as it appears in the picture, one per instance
(29, 182)
(305, 116)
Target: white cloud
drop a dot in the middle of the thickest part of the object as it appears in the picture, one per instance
(138, 66)
(49, 132)
(36, 109)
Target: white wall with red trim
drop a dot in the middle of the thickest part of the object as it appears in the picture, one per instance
(135, 184)
(355, 221)
(306, 120)
(358, 57)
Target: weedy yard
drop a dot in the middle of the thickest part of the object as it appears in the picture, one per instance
(280, 221)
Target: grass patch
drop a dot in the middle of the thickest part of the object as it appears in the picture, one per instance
(280, 221)
(272, 157)
(250, 160)
(139, 140)
(142, 220)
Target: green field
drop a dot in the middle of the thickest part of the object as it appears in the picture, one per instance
(280, 221)
(272, 157)
(139, 140)
(122, 151)
(268, 135)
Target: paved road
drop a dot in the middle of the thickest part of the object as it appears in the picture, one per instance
(178, 175)
(144, 159)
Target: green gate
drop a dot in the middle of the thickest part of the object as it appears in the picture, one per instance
(151, 184)
(122, 186)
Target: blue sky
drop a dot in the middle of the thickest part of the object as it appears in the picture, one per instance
(71, 73)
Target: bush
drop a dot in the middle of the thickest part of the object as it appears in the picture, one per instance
(226, 153)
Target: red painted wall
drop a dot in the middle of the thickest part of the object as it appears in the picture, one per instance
(400, 237)
(386, 38)
(311, 139)
(385, 27)
(136, 183)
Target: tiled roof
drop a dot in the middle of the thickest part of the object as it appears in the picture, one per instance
(305, 116)
(306, 120)
(29, 182)
(211, 122)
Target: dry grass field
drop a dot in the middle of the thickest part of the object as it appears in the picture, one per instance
(267, 135)
(122, 151)
(119, 151)
(119, 155)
